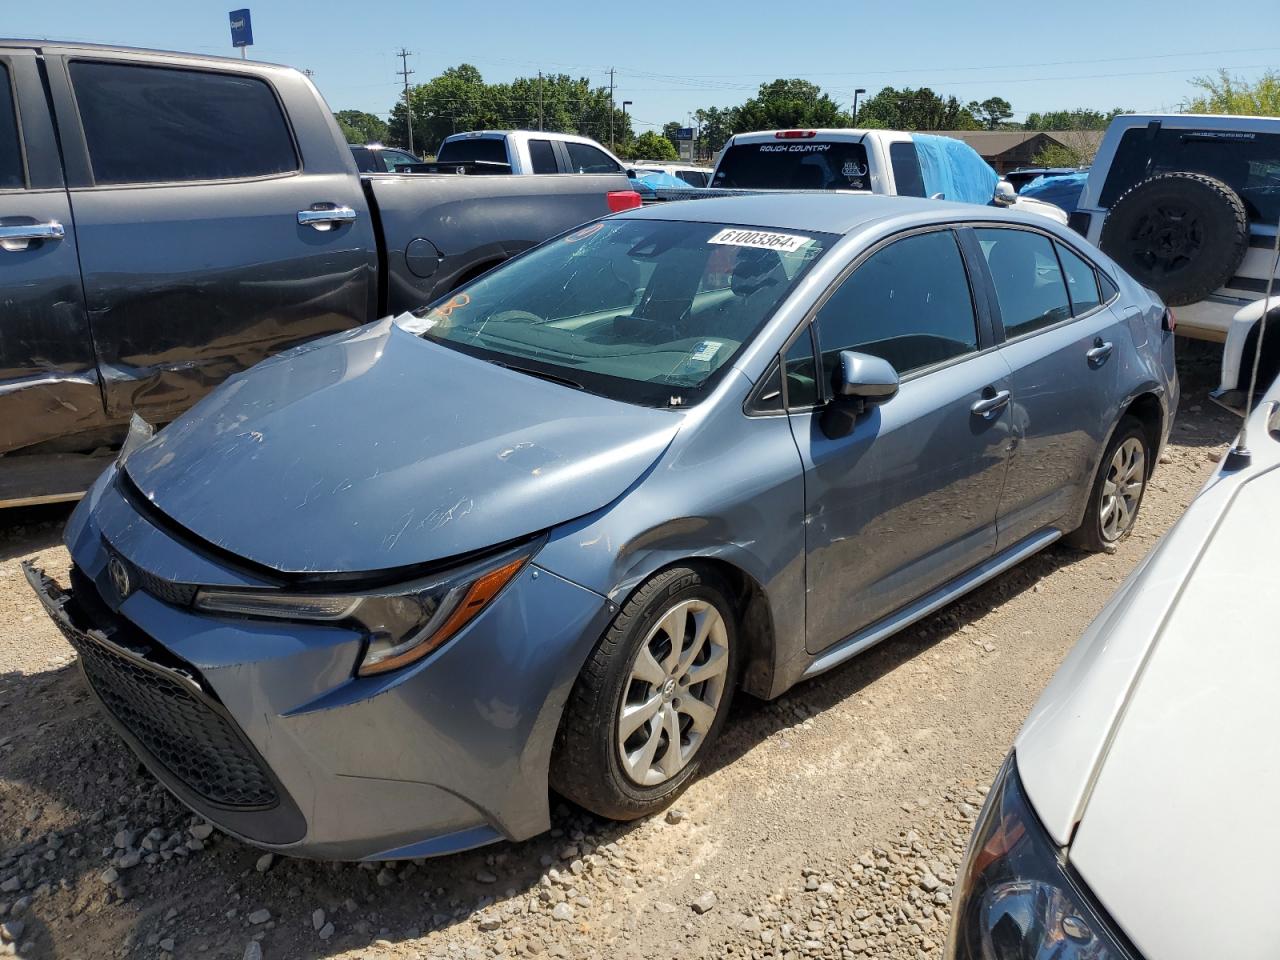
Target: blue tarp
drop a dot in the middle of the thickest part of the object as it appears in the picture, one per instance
(954, 169)
(1063, 191)
(647, 183)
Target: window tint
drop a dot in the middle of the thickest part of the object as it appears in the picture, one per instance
(11, 172)
(1109, 289)
(584, 158)
(695, 178)
(908, 303)
(153, 124)
(366, 162)
(794, 165)
(1082, 282)
(391, 159)
(906, 169)
(473, 150)
(543, 156)
(802, 379)
(1249, 163)
(1027, 278)
(769, 397)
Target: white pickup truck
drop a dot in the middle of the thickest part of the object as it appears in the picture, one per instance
(887, 162)
(521, 152)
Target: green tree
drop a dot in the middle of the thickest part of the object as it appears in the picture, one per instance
(669, 130)
(992, 112)
(715, 126)
(782, 104)
(652, 146)
(360, 127)
(1223, 93)
(1081, 118)
(1057, 155)
(915, 109)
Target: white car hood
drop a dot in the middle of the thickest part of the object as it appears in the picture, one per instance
(1180, 835)
(1041, 207)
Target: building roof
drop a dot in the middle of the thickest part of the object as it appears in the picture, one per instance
(993, 143)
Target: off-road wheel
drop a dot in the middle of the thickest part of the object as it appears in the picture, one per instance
(651, 698)
(1183, 235)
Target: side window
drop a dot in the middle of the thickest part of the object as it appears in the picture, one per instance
(543, 156)
(908, 303)
(1109, 288)
(157, 125)
(695, 178)
(906, 169)
(1027, 278)
(1082, 282)
(585, 158)
(12, 175)
(802, 381)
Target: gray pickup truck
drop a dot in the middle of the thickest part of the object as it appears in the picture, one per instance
(167, 220)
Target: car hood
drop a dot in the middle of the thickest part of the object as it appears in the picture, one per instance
(377, 449)
(1177, 815)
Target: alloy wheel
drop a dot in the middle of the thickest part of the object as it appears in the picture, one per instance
(1122, 489)
(673, 693)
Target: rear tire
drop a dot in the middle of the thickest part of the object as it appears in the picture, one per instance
(1118, 488)
(1182, 235)
(645, 711)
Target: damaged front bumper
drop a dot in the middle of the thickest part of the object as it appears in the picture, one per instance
(264, 728)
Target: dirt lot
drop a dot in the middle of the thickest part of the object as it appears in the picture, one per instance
(831, 824)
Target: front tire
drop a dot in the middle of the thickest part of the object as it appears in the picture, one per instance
(1117, 490)
(651, 698)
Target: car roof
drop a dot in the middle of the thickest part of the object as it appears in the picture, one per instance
(18, 43)
(821, 211)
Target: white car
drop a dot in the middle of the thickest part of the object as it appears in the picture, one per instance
(694, 176)
(1136, 816)
(886, 162)
(525, 152)
(1188, 205)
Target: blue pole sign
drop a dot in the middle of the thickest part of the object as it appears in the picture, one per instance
(241, 28)
(684, 133)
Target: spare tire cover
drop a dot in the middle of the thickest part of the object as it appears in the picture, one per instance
(1183, 235)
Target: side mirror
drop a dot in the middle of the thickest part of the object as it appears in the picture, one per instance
(1005, 195)
(860, 381)
(632, 175)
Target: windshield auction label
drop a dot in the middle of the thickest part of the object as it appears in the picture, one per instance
(761, 240)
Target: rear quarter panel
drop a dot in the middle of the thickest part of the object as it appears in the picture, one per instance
(474, 222)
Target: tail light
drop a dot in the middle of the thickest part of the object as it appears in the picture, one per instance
(620, 200)
(795, 134)
(1169, 322)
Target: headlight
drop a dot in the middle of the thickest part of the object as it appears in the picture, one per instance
(1018, 899)
(403, 623)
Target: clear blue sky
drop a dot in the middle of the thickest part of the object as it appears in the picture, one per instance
(672, 58)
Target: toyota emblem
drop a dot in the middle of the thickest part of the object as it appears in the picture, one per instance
(120, 578)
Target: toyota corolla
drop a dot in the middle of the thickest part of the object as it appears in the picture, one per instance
(379, 595)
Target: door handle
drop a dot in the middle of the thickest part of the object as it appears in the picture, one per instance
(18, 237)
(1100, 351)
(988, 407)
(325, 217)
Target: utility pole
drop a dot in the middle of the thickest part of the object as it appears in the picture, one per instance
(611, 143)
(539, 99)
(404, 72)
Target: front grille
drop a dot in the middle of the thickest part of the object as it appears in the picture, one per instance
(178, 594)
(187, 735)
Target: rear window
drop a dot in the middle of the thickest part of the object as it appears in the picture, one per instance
(11, 172)
(157, 125)
(473, 150)
(1249, 163)
(794, 165)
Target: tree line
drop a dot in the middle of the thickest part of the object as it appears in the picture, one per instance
(459, 99)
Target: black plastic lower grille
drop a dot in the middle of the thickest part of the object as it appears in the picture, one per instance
(188, 736)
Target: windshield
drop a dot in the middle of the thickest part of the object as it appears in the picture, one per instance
(646, 311)
(794, 165)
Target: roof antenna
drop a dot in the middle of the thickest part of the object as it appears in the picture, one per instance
(1239, 456)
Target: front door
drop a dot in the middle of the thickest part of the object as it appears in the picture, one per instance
(187, 185)
(48, 385)
(908, 499)
(1065, 348)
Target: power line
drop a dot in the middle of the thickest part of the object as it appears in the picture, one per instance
(405, 72)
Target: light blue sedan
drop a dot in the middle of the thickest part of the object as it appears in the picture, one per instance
(372, 598)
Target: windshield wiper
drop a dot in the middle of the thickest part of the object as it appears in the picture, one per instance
(540, 374)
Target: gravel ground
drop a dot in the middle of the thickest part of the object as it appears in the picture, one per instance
(830, 825)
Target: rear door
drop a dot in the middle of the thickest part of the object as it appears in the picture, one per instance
(48, 384)
(1066, 349)
(190, 192)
